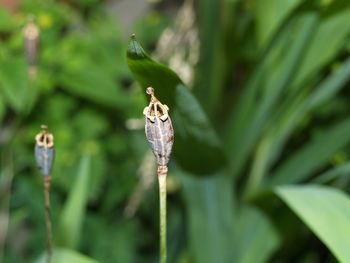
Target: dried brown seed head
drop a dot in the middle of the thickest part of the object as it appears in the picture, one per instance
(44, 151)
(31, 44)
(31, 30)
(159, 129)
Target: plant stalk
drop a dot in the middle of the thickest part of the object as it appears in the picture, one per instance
(5, 197)
(47, 184)
(162, 174)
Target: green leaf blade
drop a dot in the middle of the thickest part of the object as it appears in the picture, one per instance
(278, 76)
(211, 218)
(74, 210)
(14, 83)
(341, 171)
(210, 70)
(62, 255)
(317, 152)
(256, 237)
(270, 14)
(150, 73)
(322, 48)
(325, 211)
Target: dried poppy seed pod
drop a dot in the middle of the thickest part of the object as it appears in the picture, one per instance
(31, 43)
(44, 151)
(159, 129)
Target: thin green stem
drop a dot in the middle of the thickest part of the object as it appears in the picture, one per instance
(47, 183)
(6, 178)
(162, 174)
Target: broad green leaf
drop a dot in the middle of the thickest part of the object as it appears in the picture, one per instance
(210, 70)
(193, 131)
(210, 211)
(63, 255)
(151, 73)
(326, 211)
(256, 237)
(14, 83)
(6, 22)
(91, 82)
(332, 7)
(91, 64)
(118, 240)
(197, 148)
(72, 218)
(313, 155)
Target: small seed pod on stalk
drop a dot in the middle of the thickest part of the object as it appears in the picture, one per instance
(31, 45)
(160, 136)
(44, 156)
(44, 151)
(159, 129)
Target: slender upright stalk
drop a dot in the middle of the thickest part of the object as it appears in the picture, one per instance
(48, 222)
(160, 135)
(162, 174)
(31, 37)
(5, 196)
(44, 155)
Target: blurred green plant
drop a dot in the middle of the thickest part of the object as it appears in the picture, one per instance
(263, 126)
(294, 77)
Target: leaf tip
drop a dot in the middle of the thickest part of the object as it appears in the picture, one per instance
(135, 50)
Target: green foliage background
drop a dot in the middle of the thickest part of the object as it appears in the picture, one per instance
(260, 171)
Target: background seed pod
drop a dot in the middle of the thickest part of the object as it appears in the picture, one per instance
(31, 42)
(44, 151)
(44, 159)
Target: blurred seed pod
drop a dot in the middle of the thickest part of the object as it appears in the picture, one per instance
(44, 151)
(31, 44)
(159, 129)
